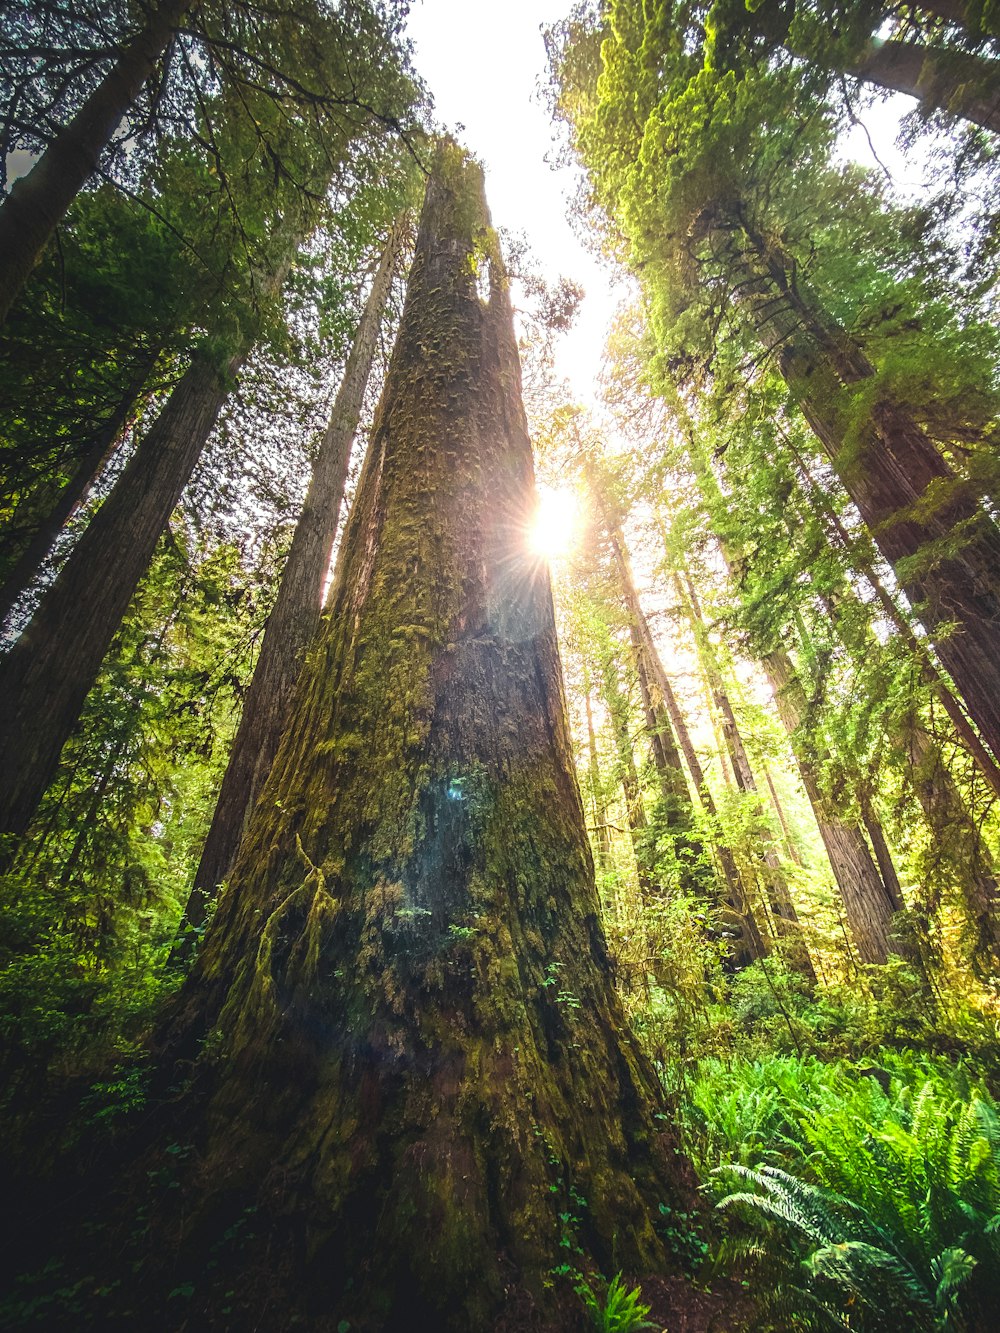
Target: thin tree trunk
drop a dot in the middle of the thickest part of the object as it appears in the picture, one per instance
(883, 857)
(596, 785)
(627, 771)
(38, 201)
(65, 504)
(295, 617)
(736, 892)
(958, 844)
(941, 79)
(46, 676)
(930, 674)
(777, 894)
(420, 1061)
(860, 885)
(865, 897)
(944, 548)
(791, 850)
(695, 873)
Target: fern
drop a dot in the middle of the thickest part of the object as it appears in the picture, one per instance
(620, 1311)
(891, 1198)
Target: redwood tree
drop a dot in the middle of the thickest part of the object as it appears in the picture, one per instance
(418, 1073)
(294, 619)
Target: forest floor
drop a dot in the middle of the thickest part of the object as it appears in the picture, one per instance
(681, 1305)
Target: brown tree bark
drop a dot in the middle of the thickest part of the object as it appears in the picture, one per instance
(958, 844)
(38, 201)
(736, 895)
(943, 546)
(779, 898)
(420, 1064)
(675, 795)
(628, 774)
(883, 856)
(867, 902)
(929, 671)
(67, 501)
(864, 895)
(45, 677)
(295, 617)
(787, 837)
(941, 79)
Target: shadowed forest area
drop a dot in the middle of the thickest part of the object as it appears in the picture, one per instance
(478, 856)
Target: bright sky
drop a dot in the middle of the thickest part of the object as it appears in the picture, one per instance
(482, 62)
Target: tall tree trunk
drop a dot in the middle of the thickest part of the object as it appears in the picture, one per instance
(628, 774)
(941, 79)
(596, 785)
(67, 501)
(943, 546)
(787, 837)
(958, 844)
(295, 617)
(864, 895)
(929, 671)
(778, 896)
(38, 202)
(867, 902)
(695, 872)
(420, 1064)
(46, 676)
(736, 894)
(883, 856)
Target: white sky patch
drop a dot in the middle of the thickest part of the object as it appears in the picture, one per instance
(481, 63)
(555, 529)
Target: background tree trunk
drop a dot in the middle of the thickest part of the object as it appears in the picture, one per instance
(28, 562)
(38, 202)
(596, 784)
(736, 896)
(420, 1061)
(45, 677)
(295, 617)
(867, 902)
(864, 895)
(943, 546)
(941, 79)
(779, 899)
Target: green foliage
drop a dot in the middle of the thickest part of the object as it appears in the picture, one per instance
(618, 1310)
(886, 1178)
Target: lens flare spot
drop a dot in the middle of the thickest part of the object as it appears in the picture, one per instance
(554, 528)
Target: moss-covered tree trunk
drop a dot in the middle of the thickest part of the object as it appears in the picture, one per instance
(926, 520)
(418, 1072)
(295, 618)
(940, 78)
(868, 904)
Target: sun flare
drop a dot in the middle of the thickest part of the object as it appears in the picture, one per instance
(554, 528)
